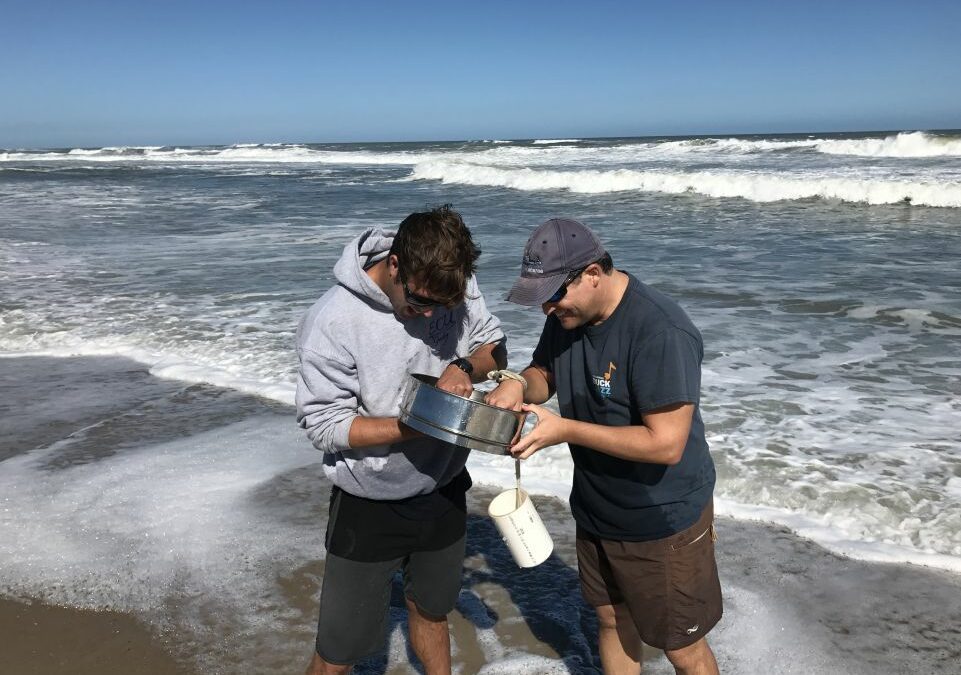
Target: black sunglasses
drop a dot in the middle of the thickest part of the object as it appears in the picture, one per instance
(419, 301)
(562, 291)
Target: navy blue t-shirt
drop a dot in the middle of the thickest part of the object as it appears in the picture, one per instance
(645, 356)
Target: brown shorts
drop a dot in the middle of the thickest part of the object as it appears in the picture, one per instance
(670, 585)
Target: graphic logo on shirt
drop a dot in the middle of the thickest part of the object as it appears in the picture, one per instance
(440, 326)
(603, 384)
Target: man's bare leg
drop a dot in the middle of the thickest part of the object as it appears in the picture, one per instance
(695, 659)
(430, 638)
(320, 667)
(618, 642)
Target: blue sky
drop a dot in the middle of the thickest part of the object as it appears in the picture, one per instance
(211, 71)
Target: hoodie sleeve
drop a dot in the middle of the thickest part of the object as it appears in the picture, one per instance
(484, 327)
(327, 394)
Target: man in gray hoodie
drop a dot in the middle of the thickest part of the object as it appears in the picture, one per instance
(403, 303)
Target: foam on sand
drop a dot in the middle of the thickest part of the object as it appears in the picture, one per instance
(214, 536)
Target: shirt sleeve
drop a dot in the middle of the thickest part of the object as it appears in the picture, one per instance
(327, 395)
(542, 352)
(666, 369)
(485, 328)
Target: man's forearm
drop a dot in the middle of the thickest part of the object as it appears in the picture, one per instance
(633, 443)
(492, 356)
(368, 431)
(539, 388)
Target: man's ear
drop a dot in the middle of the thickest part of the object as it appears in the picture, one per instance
(594, 272)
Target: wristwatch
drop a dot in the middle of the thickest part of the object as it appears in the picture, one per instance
(463, 364)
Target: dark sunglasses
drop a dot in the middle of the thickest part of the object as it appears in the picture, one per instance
(419, 301)
(562, 291)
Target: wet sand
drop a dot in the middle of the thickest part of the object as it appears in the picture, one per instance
(790, 606)
(40, 639)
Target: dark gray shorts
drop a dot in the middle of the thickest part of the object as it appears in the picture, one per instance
(367, 542)
(355, 598)
(670, 585)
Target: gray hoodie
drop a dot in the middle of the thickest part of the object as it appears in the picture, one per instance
(355, 356)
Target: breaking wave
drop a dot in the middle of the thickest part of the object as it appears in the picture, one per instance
(244, 153)
(905, 144)
(758, 187)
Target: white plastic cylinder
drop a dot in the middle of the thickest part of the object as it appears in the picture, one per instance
(521, 528)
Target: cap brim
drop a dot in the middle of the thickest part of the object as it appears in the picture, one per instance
(534, 291)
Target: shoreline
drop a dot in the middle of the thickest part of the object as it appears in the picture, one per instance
(790, 605)
(280, 397)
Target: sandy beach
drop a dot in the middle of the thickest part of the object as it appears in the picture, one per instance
(232, 507)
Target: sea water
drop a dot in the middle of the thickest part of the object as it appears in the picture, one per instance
(822, 270)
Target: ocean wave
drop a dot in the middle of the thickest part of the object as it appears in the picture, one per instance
(758, 187)
(732, 145)
(904, 144)
(242, 153)
(541, 152)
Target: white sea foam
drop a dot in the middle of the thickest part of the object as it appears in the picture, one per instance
(826, 532)
(905, 144)
(172, 521)
(189, 367)
(837, 513)
(552, 141)
(236, 343)
(203, 532)
(235, 154)
(754, 186)
(549, 472)
(522, 663)
(731, 145)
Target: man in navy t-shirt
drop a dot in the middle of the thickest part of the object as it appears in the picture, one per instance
(625, 363)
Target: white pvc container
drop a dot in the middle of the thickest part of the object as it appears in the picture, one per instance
(521, 527)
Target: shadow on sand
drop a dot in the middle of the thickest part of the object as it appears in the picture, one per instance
(537, 611)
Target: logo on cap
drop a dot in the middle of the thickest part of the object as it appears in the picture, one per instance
(532, 263)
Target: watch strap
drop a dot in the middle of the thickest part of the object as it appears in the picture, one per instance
(463, 364)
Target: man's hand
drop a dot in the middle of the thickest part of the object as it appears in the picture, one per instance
(456, 381)
(509, 394)
(549, 430)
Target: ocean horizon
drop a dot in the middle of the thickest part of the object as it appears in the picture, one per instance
(834, 134)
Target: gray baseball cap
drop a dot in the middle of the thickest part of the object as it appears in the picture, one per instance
(558, 247)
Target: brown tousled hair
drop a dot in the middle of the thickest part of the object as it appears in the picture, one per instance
(435, 249)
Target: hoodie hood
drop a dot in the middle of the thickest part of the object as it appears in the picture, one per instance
(359, 255)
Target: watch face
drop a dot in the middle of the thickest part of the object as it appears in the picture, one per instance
(464, 365)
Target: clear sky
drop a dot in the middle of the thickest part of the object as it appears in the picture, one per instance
(157, 72)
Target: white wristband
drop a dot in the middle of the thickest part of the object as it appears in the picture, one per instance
(501, 375)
